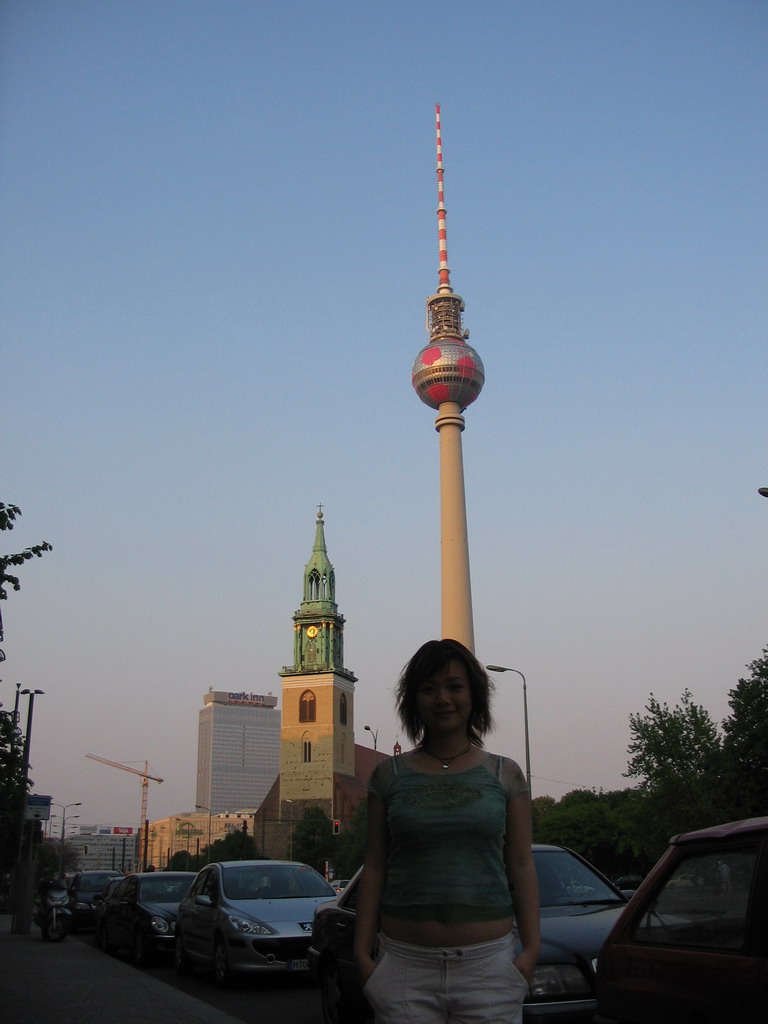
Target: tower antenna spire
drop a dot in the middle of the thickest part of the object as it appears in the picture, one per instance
(442, 231)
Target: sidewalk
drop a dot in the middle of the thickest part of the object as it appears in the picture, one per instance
(71, 982)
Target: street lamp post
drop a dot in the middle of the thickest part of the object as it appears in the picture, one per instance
(200, 807)
(503, 668)
(64, 809)
(374, 733)
(24, 875)
(290, 833)
(763, 491)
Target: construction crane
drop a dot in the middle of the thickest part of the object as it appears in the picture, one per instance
(145, 778)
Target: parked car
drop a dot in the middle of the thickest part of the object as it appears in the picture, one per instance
(692, 945)
(83, 889)
(102, 897)
(140, 915)
(339, 884)
(249, 916)
(578, 908)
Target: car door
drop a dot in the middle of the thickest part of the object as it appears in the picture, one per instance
(695, 946)
(118, 918)
(199, 921)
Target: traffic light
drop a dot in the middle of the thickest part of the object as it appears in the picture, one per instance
(336, 826)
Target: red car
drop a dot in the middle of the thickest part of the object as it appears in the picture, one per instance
(692, 944)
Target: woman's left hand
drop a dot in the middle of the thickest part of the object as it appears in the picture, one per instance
(526, 964)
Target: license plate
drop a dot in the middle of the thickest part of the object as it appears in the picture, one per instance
(298, 965)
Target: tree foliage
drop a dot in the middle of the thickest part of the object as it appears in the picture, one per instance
(602, 827)
(745, 744)
(8, 516)
(676, 753)
(12, 776)
(313, 839)
(349, 850)
(236, 845)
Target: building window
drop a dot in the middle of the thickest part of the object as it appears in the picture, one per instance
(307, 707)
(306, 750)
(343, 709)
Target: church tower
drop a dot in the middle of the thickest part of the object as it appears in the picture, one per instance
(317, 738)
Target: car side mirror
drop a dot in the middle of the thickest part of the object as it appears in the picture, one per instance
(203, 900)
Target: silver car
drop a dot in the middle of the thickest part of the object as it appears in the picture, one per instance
(248, 916)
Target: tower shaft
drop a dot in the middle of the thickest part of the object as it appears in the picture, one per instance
(456, 590)
(448, 376)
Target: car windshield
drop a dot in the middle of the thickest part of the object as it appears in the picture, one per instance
(564, 880)
(164, 890)
(273, 882)
(95, 883)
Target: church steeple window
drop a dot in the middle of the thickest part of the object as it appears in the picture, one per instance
(307, 707)
(343, 709)
(306, 749)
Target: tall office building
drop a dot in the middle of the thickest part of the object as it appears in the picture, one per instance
(238, 750)
(448, 375)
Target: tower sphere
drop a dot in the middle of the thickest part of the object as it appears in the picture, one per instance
(448, 370)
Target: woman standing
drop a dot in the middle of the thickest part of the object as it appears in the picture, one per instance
(448, 866)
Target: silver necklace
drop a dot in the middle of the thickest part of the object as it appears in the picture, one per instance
(446, 761)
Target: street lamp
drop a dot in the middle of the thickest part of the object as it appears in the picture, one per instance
(188, 825)
(503, 668)
(64, 809)
(24, 876)
(290, 833)
(27, 742)
(374, 733)
(763, 491)
(200, 807)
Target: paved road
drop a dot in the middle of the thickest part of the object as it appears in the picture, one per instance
(72, 982)
(280, 998)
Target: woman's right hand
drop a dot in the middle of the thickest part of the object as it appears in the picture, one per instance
(365, 968)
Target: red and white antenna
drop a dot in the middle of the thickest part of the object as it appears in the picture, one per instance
(442, 233)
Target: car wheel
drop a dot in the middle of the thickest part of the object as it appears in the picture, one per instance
(102, 942)
(181, 962)
(335, 1007)
(222, 972)
(142, 954)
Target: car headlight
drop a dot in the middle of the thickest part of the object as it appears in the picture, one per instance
(160, 924)
(82, 906)
(249, 926)
(558, 980)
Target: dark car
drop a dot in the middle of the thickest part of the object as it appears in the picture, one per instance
(693, 944)
(140, 915)
(249, 916)
(578, 908)
(103, 896)
(84, 889)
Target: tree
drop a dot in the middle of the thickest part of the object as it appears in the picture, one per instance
(677, 756)
(313, 839)
(8, 516)
(350, 843)
(745, 746)
(12, 778)
(602, 827)
(236, 845)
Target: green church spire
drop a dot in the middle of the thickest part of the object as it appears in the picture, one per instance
(318, 628)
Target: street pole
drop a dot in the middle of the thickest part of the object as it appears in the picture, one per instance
(503, 668)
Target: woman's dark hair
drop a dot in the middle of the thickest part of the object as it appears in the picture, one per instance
(431, 658)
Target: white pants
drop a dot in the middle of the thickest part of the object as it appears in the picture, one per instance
(475, 984)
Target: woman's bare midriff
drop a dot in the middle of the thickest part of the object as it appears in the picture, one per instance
(444, 933)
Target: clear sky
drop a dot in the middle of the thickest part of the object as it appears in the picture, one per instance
(218, 235)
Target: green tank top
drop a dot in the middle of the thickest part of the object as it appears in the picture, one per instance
(446, 839)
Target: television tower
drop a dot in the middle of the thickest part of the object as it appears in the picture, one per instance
(448, 376)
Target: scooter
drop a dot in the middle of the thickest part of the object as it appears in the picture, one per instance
(51, 911)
